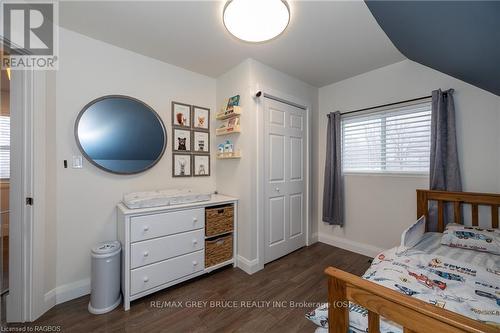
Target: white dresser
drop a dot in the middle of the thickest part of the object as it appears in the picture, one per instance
(163, 246)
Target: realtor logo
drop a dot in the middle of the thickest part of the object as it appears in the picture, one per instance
(29, 33)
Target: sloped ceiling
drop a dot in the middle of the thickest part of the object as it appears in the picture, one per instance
(459, 38)
(326, 41)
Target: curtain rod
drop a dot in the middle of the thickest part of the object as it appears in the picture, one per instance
(385, 105)
(278, 99)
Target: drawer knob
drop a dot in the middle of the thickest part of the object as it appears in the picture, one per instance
(146, 228)
(195, 219)
(195, 241)
(195, 263)
(146, 279)
(146, 253)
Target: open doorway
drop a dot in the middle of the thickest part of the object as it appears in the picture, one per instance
(4, 184)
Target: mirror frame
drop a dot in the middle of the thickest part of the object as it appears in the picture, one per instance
(77, 122)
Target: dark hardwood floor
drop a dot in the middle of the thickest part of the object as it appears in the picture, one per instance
(297, 277)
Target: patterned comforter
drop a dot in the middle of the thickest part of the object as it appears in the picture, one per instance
(470, 290)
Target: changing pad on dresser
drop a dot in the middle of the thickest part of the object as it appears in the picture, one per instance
(163, 198)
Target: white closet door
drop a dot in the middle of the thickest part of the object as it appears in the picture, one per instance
(285, 183)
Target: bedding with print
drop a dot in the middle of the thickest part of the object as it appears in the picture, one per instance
(470, 290)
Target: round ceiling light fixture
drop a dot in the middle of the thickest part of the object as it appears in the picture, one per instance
(256, 20)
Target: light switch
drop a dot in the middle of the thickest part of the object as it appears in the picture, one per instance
(77, 162)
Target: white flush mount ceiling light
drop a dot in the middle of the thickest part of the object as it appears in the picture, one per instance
(256, 20)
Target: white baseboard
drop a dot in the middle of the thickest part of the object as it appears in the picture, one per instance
(67, 292)
(49, 300)
(313, 239)
(347, 244)
(80, 288)
(248, 266)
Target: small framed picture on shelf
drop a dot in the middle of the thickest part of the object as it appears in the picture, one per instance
(181, 115)
(181, 165)
(201, 118)
(232, 102)
(233, 122)
(201, 165)
(201, 142)
(230, 123)
(181, 140)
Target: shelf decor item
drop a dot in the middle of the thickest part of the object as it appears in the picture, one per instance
(201, 118)
(181, 165)
(181, 115)
(233, 101)
(201, 165)
(181, 140)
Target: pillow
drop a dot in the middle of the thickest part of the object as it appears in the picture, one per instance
(472, 238)
(319, 316)
(412, 235)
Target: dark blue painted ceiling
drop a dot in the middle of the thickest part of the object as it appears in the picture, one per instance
(459, 38)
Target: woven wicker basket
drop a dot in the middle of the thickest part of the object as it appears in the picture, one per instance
(218, 250)
(219, 220)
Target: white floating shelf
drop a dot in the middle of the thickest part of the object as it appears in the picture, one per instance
(227, 130)
(229, 156)
(226, 114)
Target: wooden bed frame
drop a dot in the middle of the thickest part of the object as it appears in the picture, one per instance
(411, 313)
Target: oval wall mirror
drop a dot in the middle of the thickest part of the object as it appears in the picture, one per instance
(120, 134)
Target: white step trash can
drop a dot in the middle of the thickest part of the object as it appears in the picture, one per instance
(105, 284)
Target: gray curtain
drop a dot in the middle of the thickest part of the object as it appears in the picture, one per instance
(333, 194)
(444, 167)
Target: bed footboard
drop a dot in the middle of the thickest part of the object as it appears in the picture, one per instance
(411, 313)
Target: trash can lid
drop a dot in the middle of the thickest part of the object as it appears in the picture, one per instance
(106, 247)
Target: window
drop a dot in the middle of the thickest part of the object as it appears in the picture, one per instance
(4, 147)
(395, 140)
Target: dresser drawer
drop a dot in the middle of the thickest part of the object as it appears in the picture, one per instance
(158, 225)
(151, 276)
(158, 249)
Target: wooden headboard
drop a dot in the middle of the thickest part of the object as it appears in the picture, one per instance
(457, 199)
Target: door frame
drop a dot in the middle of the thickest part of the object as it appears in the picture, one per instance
(260, 193)
(25, 301)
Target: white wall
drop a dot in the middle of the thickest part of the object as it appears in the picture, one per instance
(86, 198)
(378, 208)
(236, 177)
(239, 177)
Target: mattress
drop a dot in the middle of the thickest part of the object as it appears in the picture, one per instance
(163, 198)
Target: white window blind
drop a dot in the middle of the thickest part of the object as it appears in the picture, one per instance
(4, 147)
(395, 140)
